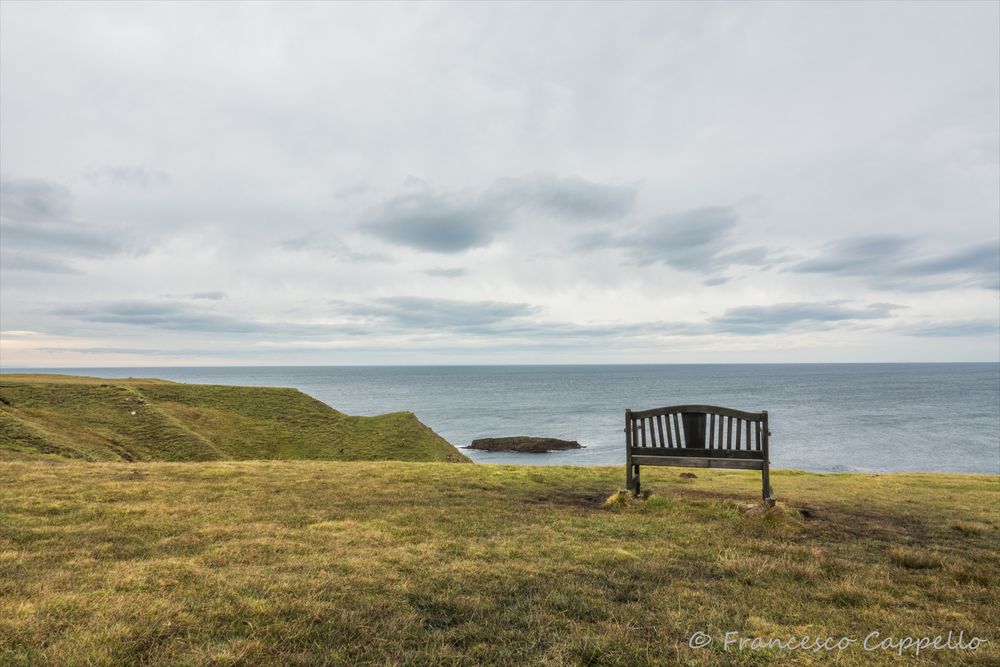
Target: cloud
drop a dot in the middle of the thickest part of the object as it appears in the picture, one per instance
(322, 244)
(60, 238)
(33, 200)
(212, 295)
(698, 240)
(755, 320)
(413, 312)
(572, 198)
(216, 295)
(193, 318)
(158, 352)
(20, 261)
(39, 235)
(718, 280)
(446, 273)
(159, 314)
(692, 240)
(456, 222)
(888, 262)
(981, 261)
(857, 256)
(517, 320)
(439, 223)
(135, 176)
(623, 178)
(952, 328)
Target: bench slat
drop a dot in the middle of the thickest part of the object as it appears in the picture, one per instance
(707, 409)
(698, 462)
(697, 451)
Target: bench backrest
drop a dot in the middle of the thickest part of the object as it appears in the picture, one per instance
(698, 430)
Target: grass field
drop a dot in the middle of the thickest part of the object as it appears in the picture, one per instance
(98, 419)
(315, 562)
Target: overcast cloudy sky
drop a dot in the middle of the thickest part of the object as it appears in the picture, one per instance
(223, 183)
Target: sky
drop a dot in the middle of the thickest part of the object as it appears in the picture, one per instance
(332, 183)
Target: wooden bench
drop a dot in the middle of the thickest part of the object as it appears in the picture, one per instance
(702, 436)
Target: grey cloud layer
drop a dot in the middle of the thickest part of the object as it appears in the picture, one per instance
(889, 262)
(136, 176)
(39, 234)
(518, 319)
(952, 328)
(727, 170)
(452, 223)
(753, 320)
(192, 318)
(323, 244)
(427, 313)
(700, 240)
(409, 314)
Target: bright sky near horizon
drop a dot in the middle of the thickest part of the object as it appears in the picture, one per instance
(332, 183)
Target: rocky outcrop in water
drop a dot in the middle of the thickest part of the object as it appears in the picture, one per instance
(524, 444)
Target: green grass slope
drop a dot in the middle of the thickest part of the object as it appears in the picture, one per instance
(360, 563)
(153, 420)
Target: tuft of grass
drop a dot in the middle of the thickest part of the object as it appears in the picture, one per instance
(848, 594)
(913, 560)
(624, 498)
(967, 528)
(619, 499)
(98, 419)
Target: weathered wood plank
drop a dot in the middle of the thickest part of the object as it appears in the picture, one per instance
(698, 462)
(706, 409)
(699, 451)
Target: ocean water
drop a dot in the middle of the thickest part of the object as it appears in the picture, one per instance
(824, 417)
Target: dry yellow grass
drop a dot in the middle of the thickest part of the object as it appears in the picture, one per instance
(312, 562)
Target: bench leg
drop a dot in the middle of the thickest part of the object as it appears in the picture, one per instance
(765, 479)
(632, 479)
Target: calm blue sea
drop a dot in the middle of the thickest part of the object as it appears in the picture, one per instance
(824, 417)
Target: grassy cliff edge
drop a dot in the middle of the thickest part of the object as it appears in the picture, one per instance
(97, 419)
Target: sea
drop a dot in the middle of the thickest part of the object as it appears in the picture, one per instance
(824, 417)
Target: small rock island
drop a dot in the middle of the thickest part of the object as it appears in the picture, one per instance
(524, 444)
